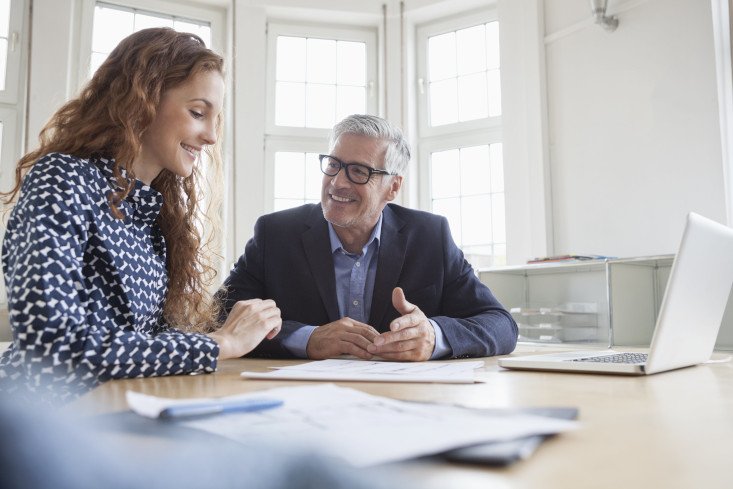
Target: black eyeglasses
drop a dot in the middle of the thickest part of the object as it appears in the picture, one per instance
(355, 172)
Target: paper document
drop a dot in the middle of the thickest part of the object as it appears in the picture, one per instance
(360, 428)
(363, 370)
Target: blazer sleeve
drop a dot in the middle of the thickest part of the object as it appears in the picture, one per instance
(473, 321)
(56, 342)
(247, 281)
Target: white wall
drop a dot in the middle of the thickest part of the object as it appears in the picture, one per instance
(610, 138)
(633, 127)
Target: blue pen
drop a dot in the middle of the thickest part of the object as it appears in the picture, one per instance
(217, 407)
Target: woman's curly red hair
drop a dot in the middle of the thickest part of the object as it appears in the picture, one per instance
(108, 119)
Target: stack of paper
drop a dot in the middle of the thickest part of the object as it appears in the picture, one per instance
(360, 428)
(361, 370)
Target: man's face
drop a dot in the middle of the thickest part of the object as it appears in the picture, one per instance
(354, 207)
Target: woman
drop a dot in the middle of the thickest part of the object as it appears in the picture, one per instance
(102, 256)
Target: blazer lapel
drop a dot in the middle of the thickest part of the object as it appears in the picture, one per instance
(392, 247)
(318, 252)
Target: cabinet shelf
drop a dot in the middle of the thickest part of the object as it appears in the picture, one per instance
(610, 291)
(621, 298)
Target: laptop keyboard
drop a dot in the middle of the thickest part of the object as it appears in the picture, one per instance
(631, 358)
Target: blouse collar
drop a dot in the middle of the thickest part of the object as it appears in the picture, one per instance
(145, 201)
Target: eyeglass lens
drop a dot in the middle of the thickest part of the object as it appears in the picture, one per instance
(354, 171)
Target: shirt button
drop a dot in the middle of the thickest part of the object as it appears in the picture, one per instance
(358, 264)
(356, 303)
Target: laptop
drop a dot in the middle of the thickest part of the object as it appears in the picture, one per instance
(689, 318)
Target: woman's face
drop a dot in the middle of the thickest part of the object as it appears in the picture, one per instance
(185, 122)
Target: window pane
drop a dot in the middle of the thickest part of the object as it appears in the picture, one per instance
(143, 21)
(334, 76)
(290, 104)
(445, 174)
(472, 98)
(205, 34)
(492, 45)
(320, 105)
(463, 72)
(479, 250)
(475, 170)
(499, 257)
(321, 61)
(110, 27)
(471, 50)
(289, 175)
(203, 31)
(494, 93)
(4, 18)
(497, 167)
(282, 204)
(351, 63)
(96, 61)
(451, 209)
(313, 177)
(290, 59)
(463, 190)
(443, 102)
(350, 100)
(476, 213)
(442, 56)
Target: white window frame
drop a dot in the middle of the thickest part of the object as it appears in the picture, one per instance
(278, 144)
(11, 99)
(12, 110)
(355, 34)
(485, 131)
(10, 154)
(308, 139)
(13, 75)
(216, 17)
(424, 32)
(429, 146)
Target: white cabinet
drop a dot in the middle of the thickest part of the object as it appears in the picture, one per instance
(611, 302)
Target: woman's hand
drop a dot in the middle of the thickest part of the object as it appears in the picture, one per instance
(249, 322)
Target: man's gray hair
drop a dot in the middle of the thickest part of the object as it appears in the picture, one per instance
(398, 149)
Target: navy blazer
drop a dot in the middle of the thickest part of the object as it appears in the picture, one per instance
(289, 260)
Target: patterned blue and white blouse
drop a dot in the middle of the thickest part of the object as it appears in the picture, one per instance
(85, 290)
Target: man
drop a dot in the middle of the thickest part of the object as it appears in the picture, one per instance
(356, 275)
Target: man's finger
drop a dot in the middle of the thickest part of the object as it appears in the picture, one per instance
(392, 336)
(364, 328)
(400, 302)
(352, 349)
(407, 321)
(399, 346)
(356, 339)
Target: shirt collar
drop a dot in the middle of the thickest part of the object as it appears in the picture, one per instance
(145, 200)
(336, 242)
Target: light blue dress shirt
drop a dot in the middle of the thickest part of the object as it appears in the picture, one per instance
(355, 275)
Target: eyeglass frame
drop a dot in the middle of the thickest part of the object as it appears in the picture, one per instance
(346, 166)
